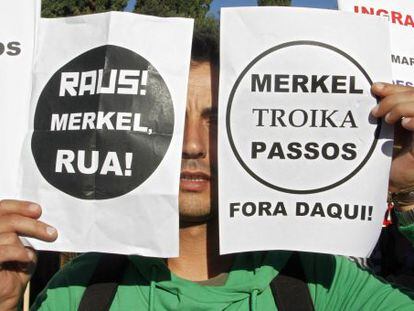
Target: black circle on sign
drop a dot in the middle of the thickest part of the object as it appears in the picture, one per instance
(156, 112)
(230, 102)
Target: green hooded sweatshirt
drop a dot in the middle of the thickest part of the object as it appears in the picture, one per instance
(335, 283)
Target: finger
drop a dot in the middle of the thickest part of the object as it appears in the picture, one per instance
(383, 89)
(398, 112)
(15, 253)
(24, 208)
(27, 227)
(10, 238)
(408, 123)
(390, 102)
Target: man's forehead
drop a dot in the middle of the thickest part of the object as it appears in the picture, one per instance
(204, 68)
(202, 89)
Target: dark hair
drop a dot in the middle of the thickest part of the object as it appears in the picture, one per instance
(205, 45)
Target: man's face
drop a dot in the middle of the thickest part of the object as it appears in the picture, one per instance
(198, 168)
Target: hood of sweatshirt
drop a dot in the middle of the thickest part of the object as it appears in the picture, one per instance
(249, 276)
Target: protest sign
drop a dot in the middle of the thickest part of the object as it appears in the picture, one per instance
(18, 24)
(296, 133)
(400, 14)
(102, 156)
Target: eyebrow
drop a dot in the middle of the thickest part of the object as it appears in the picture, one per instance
(210, 111)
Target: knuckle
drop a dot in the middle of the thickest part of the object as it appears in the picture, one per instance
(9, 238)
(387, 104)
(6, 223)
(388, 87)
(8, 252)
(383, 103)
(13, 220)
(397, 110)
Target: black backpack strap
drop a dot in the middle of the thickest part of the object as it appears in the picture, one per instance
(101, 290)
(290, 289)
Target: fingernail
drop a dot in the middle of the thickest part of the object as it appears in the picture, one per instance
(387, 117)
(405, 121)
(34, 207)
(379, 86)
(30, 254)
(51, 231)
(374, 110)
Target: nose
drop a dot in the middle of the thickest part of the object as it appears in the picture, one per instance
(195, 141)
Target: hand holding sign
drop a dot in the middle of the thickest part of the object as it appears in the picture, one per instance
(397, 104)
(16, 261)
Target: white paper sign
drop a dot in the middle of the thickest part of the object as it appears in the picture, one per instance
(103, 153)
(302, 163)
(400, 14)
(18, 24)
